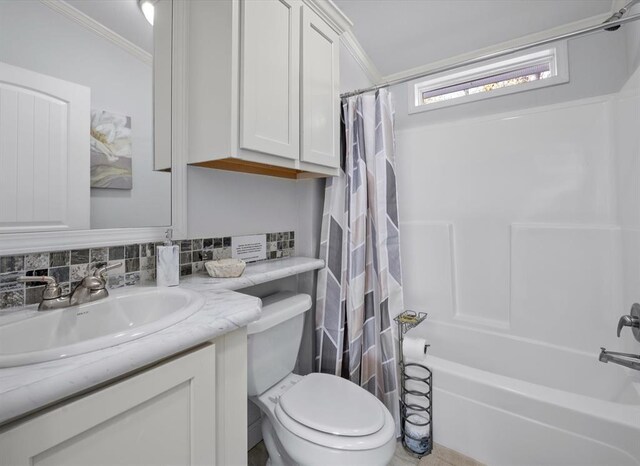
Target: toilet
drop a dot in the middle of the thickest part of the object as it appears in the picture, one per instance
(317, 419)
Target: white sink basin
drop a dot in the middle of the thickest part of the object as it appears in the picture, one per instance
(123, 316)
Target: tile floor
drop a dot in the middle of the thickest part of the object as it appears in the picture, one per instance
(441, 456)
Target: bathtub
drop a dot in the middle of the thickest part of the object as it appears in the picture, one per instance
(509, 401)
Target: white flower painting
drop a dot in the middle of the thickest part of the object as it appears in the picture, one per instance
(110, 150)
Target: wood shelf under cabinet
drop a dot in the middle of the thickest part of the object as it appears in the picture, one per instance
(244, 166)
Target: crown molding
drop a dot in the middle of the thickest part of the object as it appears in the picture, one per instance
(363, 60)
(331, 14)
(99, 29)
(565, 28)
(340, 23)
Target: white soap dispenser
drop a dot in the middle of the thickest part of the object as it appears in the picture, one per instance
(168, 263)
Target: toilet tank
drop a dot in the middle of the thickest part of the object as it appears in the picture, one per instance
(274, 340)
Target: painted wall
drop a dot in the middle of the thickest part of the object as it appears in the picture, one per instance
(351, 75)
(509, 207)
(35, 37)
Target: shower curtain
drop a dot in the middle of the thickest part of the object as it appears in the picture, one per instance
(360, 288)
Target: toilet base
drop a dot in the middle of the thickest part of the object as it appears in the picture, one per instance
(305, 453)
(275, 450)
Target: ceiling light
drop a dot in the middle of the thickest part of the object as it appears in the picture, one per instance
(147, 7)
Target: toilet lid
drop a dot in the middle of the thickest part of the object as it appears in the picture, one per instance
(333, 405)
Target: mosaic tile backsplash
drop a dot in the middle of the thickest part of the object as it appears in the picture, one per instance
(138, 264)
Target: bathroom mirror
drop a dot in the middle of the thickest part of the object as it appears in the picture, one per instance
(84, 144)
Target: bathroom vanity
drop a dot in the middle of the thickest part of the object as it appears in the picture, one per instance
(176, 396)
(161, 399)
(128, 419)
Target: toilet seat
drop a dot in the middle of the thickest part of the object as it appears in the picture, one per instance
(297, 407)
(333, 405)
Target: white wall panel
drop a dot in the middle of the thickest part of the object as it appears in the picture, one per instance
(626, 112)
(565, 284)
(428, 267)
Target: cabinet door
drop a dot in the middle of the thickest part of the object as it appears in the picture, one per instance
(320, 92)
(269, 74)
(44, 152)
(163, 416)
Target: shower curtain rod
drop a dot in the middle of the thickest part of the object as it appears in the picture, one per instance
(500, 53)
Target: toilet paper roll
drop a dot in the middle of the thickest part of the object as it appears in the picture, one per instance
(416, 428)
(414, 348)
(417, 425)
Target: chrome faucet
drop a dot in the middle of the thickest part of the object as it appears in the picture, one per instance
(92, 288)
(629, 360)
(52, 297)
(632, 361)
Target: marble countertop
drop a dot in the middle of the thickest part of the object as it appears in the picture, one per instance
(254, 274)
(25, 389)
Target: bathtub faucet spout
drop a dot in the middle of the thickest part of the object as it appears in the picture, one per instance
(632, 361)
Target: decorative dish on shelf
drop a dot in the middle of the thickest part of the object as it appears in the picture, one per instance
(225, 268)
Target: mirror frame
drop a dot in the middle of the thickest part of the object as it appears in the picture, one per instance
(17, 243)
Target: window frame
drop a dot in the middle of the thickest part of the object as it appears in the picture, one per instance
(555, 55)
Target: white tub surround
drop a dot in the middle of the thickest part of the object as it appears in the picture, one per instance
(254, 274)
(25, 389)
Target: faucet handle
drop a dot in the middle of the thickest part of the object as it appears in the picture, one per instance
(98, 272)
(628, 321)
(51, 291)
(96, 281)
(38, 279)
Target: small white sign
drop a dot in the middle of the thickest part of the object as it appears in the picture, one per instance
(249, 248)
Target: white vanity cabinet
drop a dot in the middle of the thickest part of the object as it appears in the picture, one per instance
(263, 85)
(189, 410)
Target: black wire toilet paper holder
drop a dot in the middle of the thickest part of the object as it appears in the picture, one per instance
(421, 401)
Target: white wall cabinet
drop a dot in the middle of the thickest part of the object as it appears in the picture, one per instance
(320, 91)
(190, 410)
(269, 77)
(263, 86)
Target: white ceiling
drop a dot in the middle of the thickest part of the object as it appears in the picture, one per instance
(402, 34)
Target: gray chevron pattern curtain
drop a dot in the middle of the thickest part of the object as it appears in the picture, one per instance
(360, 289)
